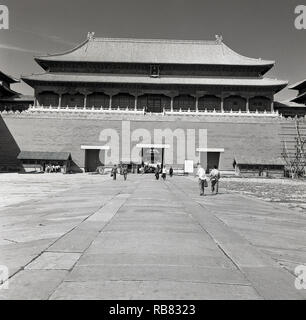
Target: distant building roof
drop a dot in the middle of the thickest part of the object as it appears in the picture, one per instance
(300, 98)
(7, 78)
(288, 103)
(298, 85)
(258, 161)
(111, 78)
(6, 89)
(37, 155)
(121, 50)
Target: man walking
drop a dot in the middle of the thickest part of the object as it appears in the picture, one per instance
(157, 169)
(214, 178)
(202, 179)
(124, 172)
(114, 172)
(164, 173)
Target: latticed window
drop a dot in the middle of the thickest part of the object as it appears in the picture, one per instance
(259, 104)
(72, 100)
(153, 102)
(97, 100)
(184, 102)
(235, 103)
(48, 99)
(209, 102)
(123, 101)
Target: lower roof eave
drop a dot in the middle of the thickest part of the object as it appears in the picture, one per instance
(275, 85)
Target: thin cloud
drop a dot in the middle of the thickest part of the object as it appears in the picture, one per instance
(53, 38)
(10, 47)
(60, 40)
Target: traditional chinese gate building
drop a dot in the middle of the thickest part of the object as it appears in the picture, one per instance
(153, 84)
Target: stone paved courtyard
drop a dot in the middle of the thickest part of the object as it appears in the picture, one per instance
(88, 237)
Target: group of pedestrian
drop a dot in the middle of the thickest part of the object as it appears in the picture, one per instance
(123, 171)
(50, 168)
(163, 172)
(214, 178)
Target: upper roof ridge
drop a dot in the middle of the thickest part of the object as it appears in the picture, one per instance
(157, 40)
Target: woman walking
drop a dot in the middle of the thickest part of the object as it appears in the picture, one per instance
(125, 172)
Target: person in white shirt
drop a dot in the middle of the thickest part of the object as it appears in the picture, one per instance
(202, 179)
(214, 178)
(164, 173)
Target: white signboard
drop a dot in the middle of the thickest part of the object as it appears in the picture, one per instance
(188, 166)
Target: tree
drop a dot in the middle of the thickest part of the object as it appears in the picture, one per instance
(296, 160)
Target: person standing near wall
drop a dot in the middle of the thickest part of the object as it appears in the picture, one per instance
(157, 169)
(214, 179)
(202, 179)
(171, 172)
(164, 173)
(114, 172)
(125, 172)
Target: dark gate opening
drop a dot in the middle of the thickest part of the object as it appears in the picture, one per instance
(92, 160)
(209, 160)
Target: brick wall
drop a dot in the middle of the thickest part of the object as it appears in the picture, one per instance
(51, 132)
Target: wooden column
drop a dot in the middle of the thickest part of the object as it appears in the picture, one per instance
(85, 100)
(222, 103)
(110, 101)
(197, 104)
(247, 104)
(59, 100)
(135, 105)
(171, 104)
(272, 105)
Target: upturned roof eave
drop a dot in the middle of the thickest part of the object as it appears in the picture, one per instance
(9, 78)
(276, 84)
(264, 63)
(297, 85)
(6, 89)
(298, 98)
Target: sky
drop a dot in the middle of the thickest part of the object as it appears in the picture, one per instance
(258, 29)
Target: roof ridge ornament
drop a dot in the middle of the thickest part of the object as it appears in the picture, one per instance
(90, 35)
(219, 39)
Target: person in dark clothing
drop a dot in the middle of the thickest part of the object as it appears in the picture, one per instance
(171, 172)
(157, 172)
(125, 172)
(114, 172)
(214, 178)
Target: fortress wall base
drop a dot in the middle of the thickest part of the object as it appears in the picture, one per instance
(239, 136)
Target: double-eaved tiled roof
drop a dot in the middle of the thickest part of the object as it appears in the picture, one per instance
(121, 50)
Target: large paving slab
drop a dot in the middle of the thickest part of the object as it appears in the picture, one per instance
(148, 239)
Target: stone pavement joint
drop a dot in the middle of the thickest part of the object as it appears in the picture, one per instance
(148, 239)
(269, 279)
